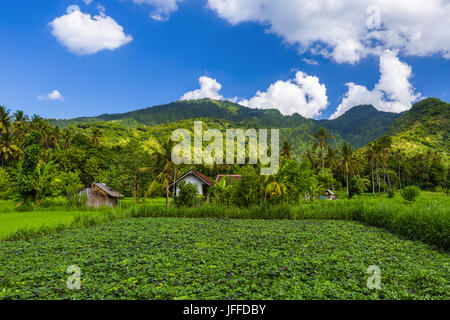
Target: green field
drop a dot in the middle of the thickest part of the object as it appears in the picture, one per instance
(312, 250)
(178, 258)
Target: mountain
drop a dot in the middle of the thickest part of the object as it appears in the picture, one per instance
(360, 125)
(205, 108)
(425, 126)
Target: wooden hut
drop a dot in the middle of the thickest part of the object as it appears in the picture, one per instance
(100, 195)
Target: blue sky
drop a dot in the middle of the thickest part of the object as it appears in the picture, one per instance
(165, 59)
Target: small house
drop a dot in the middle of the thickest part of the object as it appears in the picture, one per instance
(330, 195)
(100, 195)
(201, 181)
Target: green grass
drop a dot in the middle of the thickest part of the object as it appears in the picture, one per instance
(427, 219)
(166, 258)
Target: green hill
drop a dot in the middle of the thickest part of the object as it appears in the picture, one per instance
(426, 126)
(360, 125)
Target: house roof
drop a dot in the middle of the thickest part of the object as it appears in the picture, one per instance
(231, 176)
(199, 175)
(106, 189)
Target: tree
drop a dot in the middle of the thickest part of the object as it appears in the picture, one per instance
(5, 120)
(28, 173)
(20, 124)
(188, 195)
(6, 189)
(8, 149)
(95, 135)
(322, 137)
(286, 150)
(370, 154)
(346, 152)
(386, 144)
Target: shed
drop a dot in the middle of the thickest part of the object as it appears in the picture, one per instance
(330, 195)
(100, 195)
(201, 181)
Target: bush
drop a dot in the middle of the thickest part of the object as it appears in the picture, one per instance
(391, 193)
(5, 185)
(410, 193)
(188, 195)
(355, 187)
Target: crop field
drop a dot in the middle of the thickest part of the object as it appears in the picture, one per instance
(180, 258)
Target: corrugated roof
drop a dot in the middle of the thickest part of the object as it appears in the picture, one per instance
(232, 176)
(199, 175)
(106, 189)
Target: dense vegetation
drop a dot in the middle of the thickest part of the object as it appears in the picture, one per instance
(166, 258)
(360, 125)
(135, 159)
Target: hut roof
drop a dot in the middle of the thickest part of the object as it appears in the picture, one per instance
(106, 189)
(199, 175)
(231, 176)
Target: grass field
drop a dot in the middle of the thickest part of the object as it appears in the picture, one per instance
(178, 258)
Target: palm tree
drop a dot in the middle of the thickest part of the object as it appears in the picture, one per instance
(20, 122)
(322, 137)
(346, 152)
(8, 149)
(286, 150)
(67, 135)
(386, 144)
(371, 155)
(331, 161)
(399, 156)
(5, 120)
(95, 135)
(165, 167)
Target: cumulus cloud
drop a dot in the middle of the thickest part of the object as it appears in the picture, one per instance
(54, 95)
(162, 8)
(347, 30)
(209, 88)
(83, 34)
(304, 95)
(392, 93)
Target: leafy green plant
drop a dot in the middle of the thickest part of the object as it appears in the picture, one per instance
(188, 195)
(391, 193)
(355, 187)
(410, 193)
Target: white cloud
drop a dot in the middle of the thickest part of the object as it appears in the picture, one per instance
(304, 95)
(87, 2)
(83, 34)
(340, 30)
(392, 93)
(209, 88)
(311, 62)
(162, 8)
(54, 95)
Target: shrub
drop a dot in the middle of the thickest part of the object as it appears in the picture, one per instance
(5, 185)
(410, 193)
(355, 187)
(391, 193)
(188, 195)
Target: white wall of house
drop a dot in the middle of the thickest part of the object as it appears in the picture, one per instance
(193, 180)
